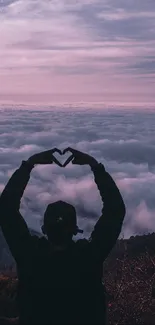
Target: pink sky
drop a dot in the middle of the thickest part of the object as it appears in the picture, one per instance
(77, 51)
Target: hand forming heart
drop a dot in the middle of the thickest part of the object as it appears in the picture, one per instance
(77, 157)
(61, 153)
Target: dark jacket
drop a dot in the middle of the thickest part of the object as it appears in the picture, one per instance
(61, 287)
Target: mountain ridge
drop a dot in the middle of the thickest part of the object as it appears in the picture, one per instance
(132, 247)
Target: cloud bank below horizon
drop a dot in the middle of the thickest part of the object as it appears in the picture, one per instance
(122, 141)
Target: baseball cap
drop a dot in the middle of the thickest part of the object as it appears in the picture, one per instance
(63, 214)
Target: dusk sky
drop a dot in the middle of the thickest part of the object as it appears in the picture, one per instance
(77, 51)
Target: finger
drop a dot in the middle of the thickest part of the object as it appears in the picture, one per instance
(56, 161)
(69, 149)
(68, 161)
(56, 150)
(76, 162)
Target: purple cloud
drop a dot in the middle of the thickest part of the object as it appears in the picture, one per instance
(122, 140)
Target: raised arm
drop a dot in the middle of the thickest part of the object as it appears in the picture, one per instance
(109, 225)
(13, 225)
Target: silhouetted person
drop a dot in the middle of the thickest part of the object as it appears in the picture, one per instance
(60, 281)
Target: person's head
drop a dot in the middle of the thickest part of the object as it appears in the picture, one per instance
(60, 223)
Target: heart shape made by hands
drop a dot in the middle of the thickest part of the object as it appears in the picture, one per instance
(67, 155)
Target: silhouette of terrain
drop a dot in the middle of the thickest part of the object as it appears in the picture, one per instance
(129, 276)
(133, 246)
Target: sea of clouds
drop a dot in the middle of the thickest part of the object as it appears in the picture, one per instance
(123, 140)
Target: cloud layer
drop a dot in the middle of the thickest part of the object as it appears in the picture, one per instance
(71, 51)
(122, 140)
